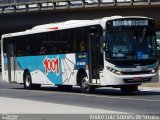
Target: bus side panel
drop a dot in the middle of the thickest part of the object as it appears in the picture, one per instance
(4, 69)
(40, 78)
(4, 62)
(68, 72)
(18, 72)
(25, 63)
(30, 63)
(43, 69)
(50, 67)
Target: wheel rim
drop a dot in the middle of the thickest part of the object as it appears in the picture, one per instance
(27, 81)
(85, 85)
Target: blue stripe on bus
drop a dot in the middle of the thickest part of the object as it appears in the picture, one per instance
(50, 65)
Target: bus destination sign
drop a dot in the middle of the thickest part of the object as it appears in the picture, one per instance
(130, 23)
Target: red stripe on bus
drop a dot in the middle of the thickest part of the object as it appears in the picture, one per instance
(54, 28)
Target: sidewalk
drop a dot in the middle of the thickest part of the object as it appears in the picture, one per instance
(157, 85)
(21, 106)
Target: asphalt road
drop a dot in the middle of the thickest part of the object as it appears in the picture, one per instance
(142, 102)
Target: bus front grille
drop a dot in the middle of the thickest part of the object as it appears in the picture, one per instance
(137, 79)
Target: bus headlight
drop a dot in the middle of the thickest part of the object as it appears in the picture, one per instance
(114, 71)
(118, 73)
(153, 71)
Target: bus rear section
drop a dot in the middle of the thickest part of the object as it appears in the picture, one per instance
(130, 53)
(7, 62)
(65, 58)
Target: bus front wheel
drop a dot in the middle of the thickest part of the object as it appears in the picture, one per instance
(86, 87)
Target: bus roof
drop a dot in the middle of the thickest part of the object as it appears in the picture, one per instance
(67, 25)
(54, 27)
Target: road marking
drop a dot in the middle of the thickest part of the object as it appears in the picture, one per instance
(88, 95)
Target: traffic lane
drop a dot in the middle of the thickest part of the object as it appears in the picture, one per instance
(107, 96)
(147, 94)
(104, 91)
(6, 85)
(103, 99)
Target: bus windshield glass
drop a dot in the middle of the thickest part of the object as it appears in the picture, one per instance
(131, 45)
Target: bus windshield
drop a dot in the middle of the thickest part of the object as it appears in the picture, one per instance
(131, 45)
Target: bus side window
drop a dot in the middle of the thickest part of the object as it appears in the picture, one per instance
(82, 46)
(75, 47)
(5, 55)
(66, 42)
(19, 52)
(5, 48)
(27, 50)
(25, 45)
(43, 50)
(68, 48)
(79, 40)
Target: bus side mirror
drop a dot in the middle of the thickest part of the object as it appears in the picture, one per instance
(5, 55)
(105, 46)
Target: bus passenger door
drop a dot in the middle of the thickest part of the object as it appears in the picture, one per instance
(96, 62)
(11, 61)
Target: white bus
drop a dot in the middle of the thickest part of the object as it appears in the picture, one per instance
(113, 51)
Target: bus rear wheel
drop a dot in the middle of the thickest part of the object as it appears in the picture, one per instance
(27, 81)
(86, 87)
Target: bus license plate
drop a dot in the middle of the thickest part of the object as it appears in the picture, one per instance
(138, 78)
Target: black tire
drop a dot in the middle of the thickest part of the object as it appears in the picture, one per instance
(27, 81)
(86, 87)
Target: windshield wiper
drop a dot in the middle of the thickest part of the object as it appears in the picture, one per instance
(143, 34)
